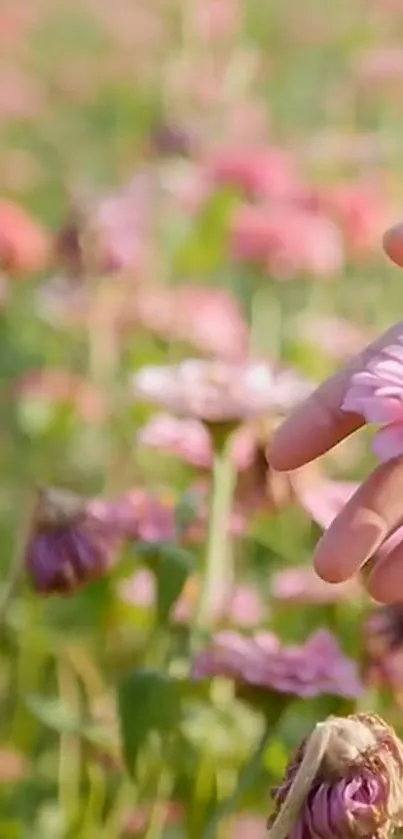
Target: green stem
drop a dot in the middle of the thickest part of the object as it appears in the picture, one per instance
(69, 749)
(266, 321)
(218, 574)
(246, 779)
(159, 809)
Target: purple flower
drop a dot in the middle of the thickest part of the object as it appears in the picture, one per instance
(345, 780)
(69, 545)
(261, 662)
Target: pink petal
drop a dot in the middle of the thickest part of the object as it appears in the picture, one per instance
(388, 442)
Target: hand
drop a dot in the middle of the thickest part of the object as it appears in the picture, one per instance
(375, 512)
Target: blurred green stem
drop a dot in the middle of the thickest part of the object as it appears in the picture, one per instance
(266, 329)
(91, 826)
(17, 562)
(218, 573)
(159, 808)
(70, 748)
(246, 779)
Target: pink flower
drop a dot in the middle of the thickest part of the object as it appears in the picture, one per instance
(209, 319)
(301, 585)
(216, 392)
(259, 173)
(286, 241)
(262, 663)
(53, 387)
(243, 608)
(324, 499)
(339, 338)
(24, 244)
(376, 393)
(189, 440)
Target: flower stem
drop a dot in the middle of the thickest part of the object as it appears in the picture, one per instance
(246, 779)
(69, 749)
(218, 574)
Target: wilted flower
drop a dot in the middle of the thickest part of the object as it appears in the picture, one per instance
(24, 244)
(69, 545)
(346, 779)
(262, 663)
(376, 393)
(216, 392)
(301, 585)
(286, 241)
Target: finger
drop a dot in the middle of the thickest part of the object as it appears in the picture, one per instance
(373, 512)
(320, 422)
(385, 579)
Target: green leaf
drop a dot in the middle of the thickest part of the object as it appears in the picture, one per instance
(148, 701)
(11, 830)
(172, 566)
(53, 713)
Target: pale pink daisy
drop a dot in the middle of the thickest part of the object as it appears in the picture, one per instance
(219, 392)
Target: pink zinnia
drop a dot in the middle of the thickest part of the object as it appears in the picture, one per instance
(259, 173)
(301, 585)
(376, 393)
(287, 241)
(262, 663)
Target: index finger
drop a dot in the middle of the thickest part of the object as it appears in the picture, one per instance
(319, 423)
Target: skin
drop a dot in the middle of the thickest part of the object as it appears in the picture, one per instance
(375, 511)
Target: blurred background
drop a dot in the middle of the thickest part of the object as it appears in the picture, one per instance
(193, 195)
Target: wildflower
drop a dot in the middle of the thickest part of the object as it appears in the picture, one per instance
(24, 245)
(243, 607)
(268, 173)
(338, 337)
(323, 499)
(218, 392)
(376, 393)
(301, 585)
(346, 778)
(53, 387)
(287, 241)
(261, 663)
(69, 545)
(189, 440)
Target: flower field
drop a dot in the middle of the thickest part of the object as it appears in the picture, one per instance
(193, 201)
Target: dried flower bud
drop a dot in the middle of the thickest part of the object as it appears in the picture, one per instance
(69, 545)
(346, 779)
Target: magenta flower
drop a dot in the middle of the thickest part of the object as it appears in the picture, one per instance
(69, 545)
(301, 585)
(376, 393)
(216, 392)
(262, 663)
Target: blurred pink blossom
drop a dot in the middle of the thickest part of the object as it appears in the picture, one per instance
(301, 585)
(24, 243)
(287, 240)
(244, 607)
(60, 387)
(216, 20)
(379, 66)
(261, 662)
(209, 319)
(376, 393)
(218, 392)
(338, 337)
(324, 499)
(189, 440)
(267, 173)
(360, 209)
(382, 639)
